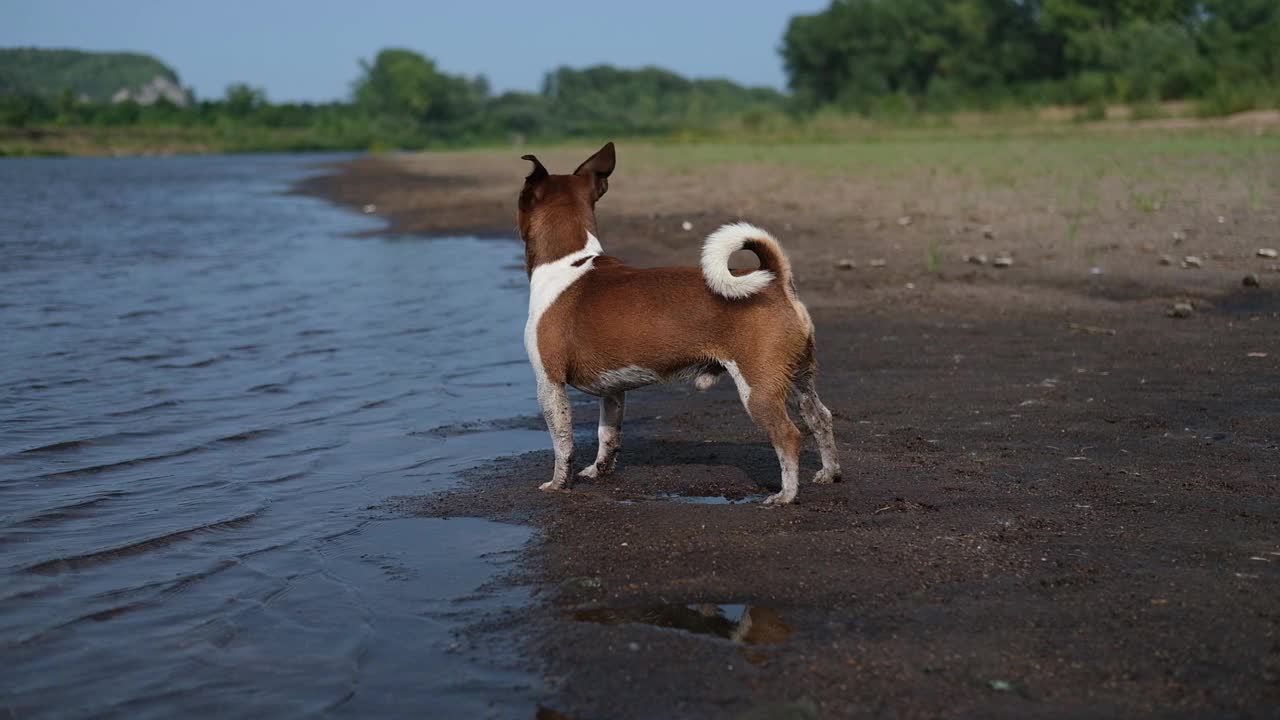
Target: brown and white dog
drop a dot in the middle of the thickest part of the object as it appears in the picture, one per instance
(606, 328)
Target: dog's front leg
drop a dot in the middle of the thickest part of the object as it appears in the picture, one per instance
(610, 434)
(554, 400)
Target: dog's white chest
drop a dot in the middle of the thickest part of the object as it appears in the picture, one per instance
(547, 283)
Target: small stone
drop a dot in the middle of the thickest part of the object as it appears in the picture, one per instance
(905, 220)
(1267, 252)
(686, 226)
(1178, 237)
(1250, 280)
(1001, 685)
(978, 259)
(633, 647)
(846, 264)
(1002, 261)
(582, 583)
(988, 232)
(1181, 310)
(878, 262)
(1096, 271)
(1191, 261)
(1166, 259)
(370, 209)
(1222, 220)
(1147, 247)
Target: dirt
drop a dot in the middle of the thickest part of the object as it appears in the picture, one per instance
(1059, 501)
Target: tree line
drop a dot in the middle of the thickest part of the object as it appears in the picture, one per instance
(870, 55)
(402, 99)
(867, 56)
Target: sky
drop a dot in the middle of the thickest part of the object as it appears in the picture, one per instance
(309, 50)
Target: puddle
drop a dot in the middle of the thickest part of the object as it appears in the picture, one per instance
(744, 624)
(708, 499)
(1248, 303)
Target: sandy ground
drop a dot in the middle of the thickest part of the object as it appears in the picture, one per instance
(1059, 501)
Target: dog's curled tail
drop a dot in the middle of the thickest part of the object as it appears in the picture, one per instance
(742, 236)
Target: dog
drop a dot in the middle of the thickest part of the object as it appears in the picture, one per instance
(604, 327)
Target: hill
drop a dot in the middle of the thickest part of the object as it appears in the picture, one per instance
(91, 76)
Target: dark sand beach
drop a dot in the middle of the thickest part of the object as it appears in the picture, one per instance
(1059, 501)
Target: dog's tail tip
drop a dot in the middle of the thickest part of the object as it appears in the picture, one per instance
(731, 238)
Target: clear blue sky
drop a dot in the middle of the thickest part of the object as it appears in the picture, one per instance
(308, 49)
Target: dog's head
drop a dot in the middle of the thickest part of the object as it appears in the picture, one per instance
(555, 211)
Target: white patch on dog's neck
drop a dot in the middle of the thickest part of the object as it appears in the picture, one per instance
(546, 284)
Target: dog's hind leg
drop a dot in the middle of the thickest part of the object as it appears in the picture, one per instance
(610, 434)
(770, 412)
(818, 418)
(554, 400)
(766, 402)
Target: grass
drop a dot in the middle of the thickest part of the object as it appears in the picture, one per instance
(55, 141)
(959, 151)
(933, 258)
(1149, 202)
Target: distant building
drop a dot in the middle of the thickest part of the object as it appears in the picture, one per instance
(151, 93)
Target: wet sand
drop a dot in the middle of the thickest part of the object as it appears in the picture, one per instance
(1059, 502)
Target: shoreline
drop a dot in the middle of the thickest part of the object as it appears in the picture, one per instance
(1037, 519)
(53, 140)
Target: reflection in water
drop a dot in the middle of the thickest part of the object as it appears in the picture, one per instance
(745, 624)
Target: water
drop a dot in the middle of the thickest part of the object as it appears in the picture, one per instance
(208, 387)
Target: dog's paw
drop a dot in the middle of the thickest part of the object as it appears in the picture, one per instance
(554, 486)
(778, 499)
(596, 470)
(826, 476)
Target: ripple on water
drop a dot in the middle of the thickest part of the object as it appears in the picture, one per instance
(211, 384)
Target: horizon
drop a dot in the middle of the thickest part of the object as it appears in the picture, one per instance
(310, 52)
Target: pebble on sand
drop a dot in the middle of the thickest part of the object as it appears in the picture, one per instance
(686, 226)
(370, 209)
(1191, 261)
(905, 220)
(1178, 236)
(1267, 252)
(878, 262)
(1250, 280)
(1166, 259)
(846, 264)
(1002, 261)
(978, 259)
(1181, 310)
(988, 232)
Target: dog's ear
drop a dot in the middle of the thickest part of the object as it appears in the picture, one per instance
(538, 173)
(598, 168)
